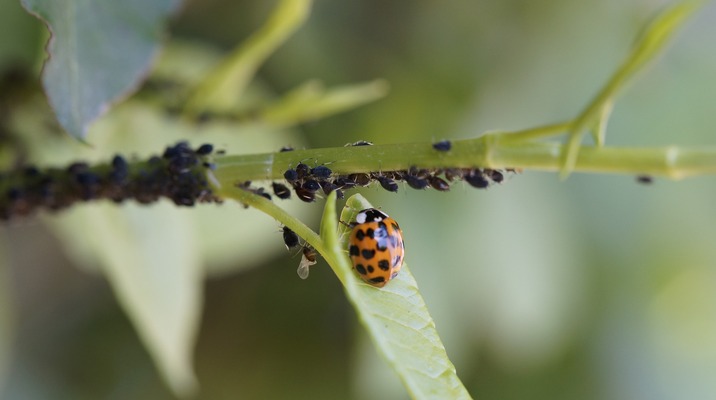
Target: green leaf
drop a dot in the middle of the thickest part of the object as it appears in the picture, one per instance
(227, 82)
(395, 317)
(99, 52)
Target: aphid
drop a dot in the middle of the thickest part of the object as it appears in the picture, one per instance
(376, 247)
(290, 238)
(476, 179)
(452, 174)
(305, 195)
(291, 175)
(438, 184)
(359, 179)
(644, 179)
(118, 162)
(387, 183)
(344, 183)
(302, 170)
(262, 193)
(281, 191)
(328, 187)
(495, 175)
(321, 172)
(258, 191)
(311, 185)
(308, 258)
(360, 143)
(120, 169)
(415, 181)
(205, 149)
(443, 145)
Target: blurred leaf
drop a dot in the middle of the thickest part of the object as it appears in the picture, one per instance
(151, 258)
(312, 101)
(98, 53)
(395, 317)
(227, 82)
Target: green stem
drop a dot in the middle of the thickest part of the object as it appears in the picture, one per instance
(490, 151)
(647, 47)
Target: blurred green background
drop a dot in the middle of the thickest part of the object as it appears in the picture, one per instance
(592, 288)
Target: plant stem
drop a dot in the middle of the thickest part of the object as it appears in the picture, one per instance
(490, 151)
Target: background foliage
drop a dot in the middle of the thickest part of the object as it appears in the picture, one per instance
(596, 287)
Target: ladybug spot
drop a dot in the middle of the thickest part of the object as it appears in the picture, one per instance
(378, 279)
(371, 269)
(353, 251)
(395, 226)
(361, 269)
(370, 233)
(384, 265)
(360, 234)
(367, 253)
(396, 262)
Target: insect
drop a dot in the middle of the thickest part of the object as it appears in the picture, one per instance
(281, 191)
(387, 183)
(477, 179)
(443, 145)
(290, 238)
(376, 247)
(438, 183)
(321, 172)
(644, 179)
(307, 259)
(205, 149)
(360, 143)
(305, 195)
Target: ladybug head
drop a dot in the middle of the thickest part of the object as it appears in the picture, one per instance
(370, 215)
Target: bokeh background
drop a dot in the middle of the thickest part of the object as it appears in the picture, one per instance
(596, 287)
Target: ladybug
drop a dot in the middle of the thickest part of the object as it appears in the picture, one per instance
(376, 247)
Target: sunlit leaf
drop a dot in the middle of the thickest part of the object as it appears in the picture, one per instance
(395, 317)
(98, 53)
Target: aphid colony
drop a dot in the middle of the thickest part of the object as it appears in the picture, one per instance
(307, 182)
(179, 174)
